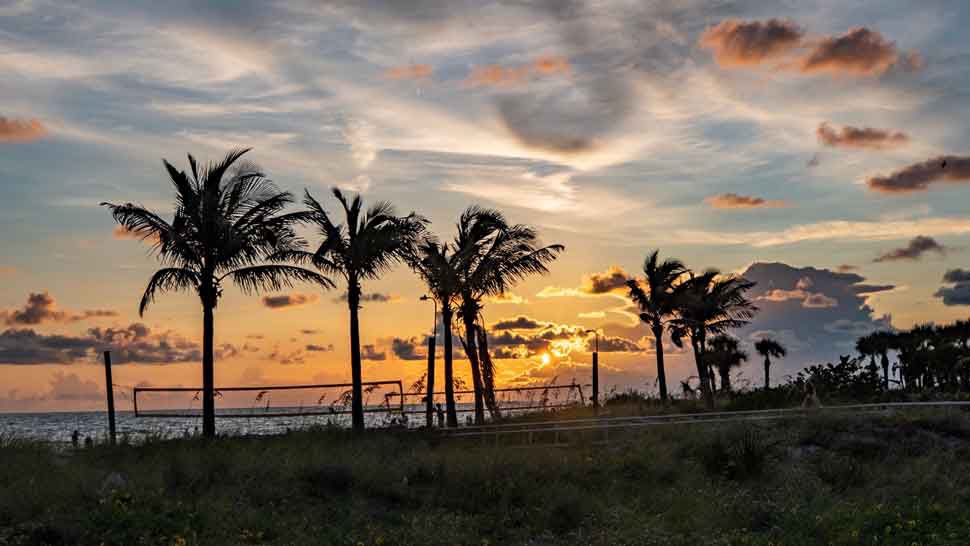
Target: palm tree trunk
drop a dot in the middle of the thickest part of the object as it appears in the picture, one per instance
(702, 373)
(885, 370)
(429, 383)
(471, 349)
(357, 394)
(452, 415)
(767, 370)
(725, 379)
(208, 371)
(658, 333)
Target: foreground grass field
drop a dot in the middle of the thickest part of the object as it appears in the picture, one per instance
(874, 480)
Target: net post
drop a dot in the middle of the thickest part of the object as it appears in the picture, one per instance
(110, 393)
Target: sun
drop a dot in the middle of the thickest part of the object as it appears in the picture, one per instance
(545, 358)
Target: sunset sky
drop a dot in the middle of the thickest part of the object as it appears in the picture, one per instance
(820, 148)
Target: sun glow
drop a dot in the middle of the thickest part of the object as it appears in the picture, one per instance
(545, 358)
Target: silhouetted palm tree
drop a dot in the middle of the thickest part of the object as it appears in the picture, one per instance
(657, 303)
(709, 303)
(725, 354)
(228, 224)
(438, 269)
(494, 255)
(365, 247)
(880, 344)
(769, 348)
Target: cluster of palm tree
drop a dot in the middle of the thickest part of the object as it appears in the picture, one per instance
(231, 225)
(930, 357)
(701, 308)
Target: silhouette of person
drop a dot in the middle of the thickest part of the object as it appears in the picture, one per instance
(88, 442)
(441, 416)
(75, 439)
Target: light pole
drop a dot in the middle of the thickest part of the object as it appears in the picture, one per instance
(596, 369)
(429, 381)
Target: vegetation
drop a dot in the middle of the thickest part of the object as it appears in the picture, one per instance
(768, 348)
(228, 225)
(890, 480)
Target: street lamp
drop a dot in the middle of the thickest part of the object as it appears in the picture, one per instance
(596, 370)
(429, 382)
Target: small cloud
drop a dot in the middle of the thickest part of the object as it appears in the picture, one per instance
(494, 75)
(741, 43)
(374, 297)
(407, 349)
(409, 72)
(319, 348)
(860, 137)
(846, 268)
(41, 308)
(14, 130)
(506, 298)
(612, 280)
(858, 52)
(914, 250)
(288, 300)
(370, 352)
(309, 332)
(735, 201)
(819, 301)
(518, 323)
(959, 291)
(919, 176)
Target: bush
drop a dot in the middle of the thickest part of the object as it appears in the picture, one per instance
(739, 455)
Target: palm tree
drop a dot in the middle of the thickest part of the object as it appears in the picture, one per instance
(228, 224)
(657, 303)
(879, 343)
(433, 263)
(725, 355)
(364, 248)
(494, 255)
(709, 304)
(769, 348)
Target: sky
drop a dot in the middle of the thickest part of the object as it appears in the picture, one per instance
(817, 147)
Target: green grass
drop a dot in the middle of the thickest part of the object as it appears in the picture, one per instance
(841, 481)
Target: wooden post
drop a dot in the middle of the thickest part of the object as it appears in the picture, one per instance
(109, 390)
(596, 380)
(429, 384)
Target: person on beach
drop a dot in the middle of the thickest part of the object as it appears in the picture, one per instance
(441, 416)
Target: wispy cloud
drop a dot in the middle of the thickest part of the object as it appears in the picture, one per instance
(735, 201)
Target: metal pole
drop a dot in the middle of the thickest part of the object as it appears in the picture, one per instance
(110, 392)
(596, 380)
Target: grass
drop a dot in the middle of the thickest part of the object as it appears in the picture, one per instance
(825, 480)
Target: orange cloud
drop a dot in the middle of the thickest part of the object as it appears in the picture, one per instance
(740, 43)
(860, 137)
(497, 75)
(14, 130)
(409, 72)
(859, 52)
(736, 201)
(919, 176)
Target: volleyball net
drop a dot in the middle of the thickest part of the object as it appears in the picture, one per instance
(509, 399)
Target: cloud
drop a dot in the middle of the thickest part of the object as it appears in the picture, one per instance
(359, 136)
(408, 349)
(319, 348)
(370, 352)
(14, 130)
(846, 268)
(521, 322)
(919, 176)
(914, 250)
(71, 387)
(735, 201)
(41, 308)
(374, 297)
(506, 298)
(959, 291)
(860, 137)
(614, 344)
(858, 52)
(288, 300)
(592, 315)
(740, 43)
(498, 75)
(612, 280)
(135, 343)
(409, 72)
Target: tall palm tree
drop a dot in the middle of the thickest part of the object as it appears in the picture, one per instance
(725, 355)
(365, 247)
(228, 224)
(439, 270)
(709, 304)
(880, 343)
(494, 255)
(769, 348)
(657, 303)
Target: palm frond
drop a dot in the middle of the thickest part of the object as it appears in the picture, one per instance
(274, 277)
(169, 279)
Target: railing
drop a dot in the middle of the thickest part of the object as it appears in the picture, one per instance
(331, 410)
(511, 405)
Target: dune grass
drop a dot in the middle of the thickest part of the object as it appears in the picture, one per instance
(827, 480)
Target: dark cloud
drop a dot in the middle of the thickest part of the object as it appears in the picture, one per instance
(408, 349)
(135, 343)
(612, 280)
(914, 250)
(41, 308)
(959, 291)
(287, 358)
(739, 43)
(735, 201)
(288, 300)
(520, 322)
(319, 348)
(309, 332)
(374, 297)
(860, 52)
(919, 176)
(15, 130)
(613, 344)
(860, 137)
(370, 352)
